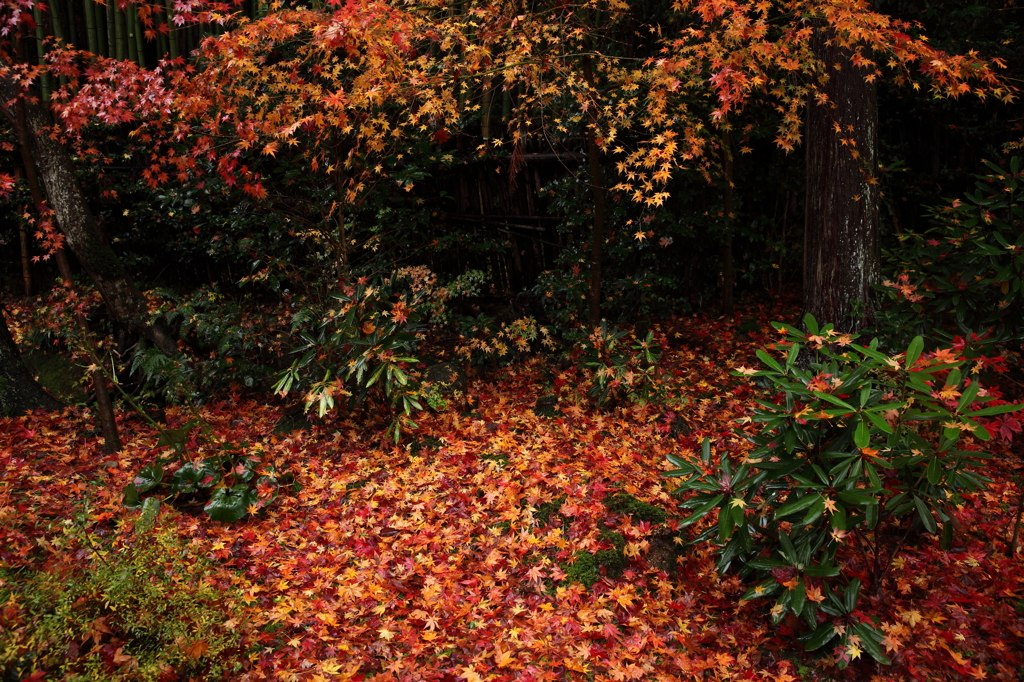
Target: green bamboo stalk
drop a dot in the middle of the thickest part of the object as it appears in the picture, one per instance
(120, 45)
(92, 37)
(69, 21)
(44, 81)
(140, 43)
(55, 21)
(129, 34)
(163, 46)
(111, 36)
(57, 26)
(172, 35)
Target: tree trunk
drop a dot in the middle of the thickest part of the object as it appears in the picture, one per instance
(841, 250)
(19, 392)
(56, 170)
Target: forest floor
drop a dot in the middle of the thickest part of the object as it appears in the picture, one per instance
(452, 555)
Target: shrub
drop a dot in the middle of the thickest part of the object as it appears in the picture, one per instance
(967, 271)
(619, 369)
(860, 444)
(143, 610)
(226, 341)
(362, 350)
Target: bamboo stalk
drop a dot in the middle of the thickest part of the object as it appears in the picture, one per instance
(162, 44)
(485, 105)
(44, 80)
(127, 16)
(26, 270)
(111, 40)
(140, 44)
(91, 34)
(69, 20)
(172, 35)
(120, 33)
(57, 25)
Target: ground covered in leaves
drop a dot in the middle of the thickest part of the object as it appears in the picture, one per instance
(520, 534)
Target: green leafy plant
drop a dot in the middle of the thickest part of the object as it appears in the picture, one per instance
(857, 450)
(967, 271)
(231, 484)
(225, 342)
(363, 351)
(620, 369)
(139, 608)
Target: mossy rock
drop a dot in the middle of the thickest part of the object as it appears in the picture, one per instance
(624, 503)
(58, 375)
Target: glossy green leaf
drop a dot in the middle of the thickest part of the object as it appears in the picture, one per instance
(797, 505)
(862, 434)
(914, 351)
(230, 504)
(925, 515)
(701, 510)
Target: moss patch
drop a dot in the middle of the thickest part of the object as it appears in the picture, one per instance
(290, 423)
(585, 567)
(624, 503)
(547, 407)
(583, 570)
(499, 459)
(58, 375)
(428, 443)
(544, 511)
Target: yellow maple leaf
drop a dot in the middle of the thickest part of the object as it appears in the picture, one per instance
(911, 618)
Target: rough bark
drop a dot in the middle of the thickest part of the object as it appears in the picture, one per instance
(108, 421)
(841, 249)
(19, 392)
(56, 170)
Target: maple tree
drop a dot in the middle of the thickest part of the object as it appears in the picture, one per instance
(363, 83)
(827, 57)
